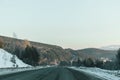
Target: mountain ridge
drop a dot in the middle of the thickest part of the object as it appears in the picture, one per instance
(110, 47)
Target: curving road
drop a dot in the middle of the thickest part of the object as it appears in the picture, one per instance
(52, 73)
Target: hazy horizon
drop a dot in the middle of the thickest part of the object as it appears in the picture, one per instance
(71, 24)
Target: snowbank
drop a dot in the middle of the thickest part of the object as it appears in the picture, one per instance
(6, 66)
(106, 74)
(5, 60)
(4, 71)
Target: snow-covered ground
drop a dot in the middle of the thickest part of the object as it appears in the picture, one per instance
(4, 71)
(6, 65)
(106, 74)
(5, 60)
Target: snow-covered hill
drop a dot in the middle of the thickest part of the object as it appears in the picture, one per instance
(5, 60)
(111, 47)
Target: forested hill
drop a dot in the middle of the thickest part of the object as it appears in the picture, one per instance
(52, 54)
(48, 54)
(94, 53)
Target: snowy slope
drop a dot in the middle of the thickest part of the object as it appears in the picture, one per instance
(106, 74)
(5, 60)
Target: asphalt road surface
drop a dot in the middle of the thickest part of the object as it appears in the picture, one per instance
(51, 73)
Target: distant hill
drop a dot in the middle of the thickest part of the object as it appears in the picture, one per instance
(52, 54)
(111, 47)
(93, 52)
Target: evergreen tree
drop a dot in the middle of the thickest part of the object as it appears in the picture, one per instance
(89, 62)
(99, 63)
(31, 55)
(79, 62)
(118, 58)
(13, 60)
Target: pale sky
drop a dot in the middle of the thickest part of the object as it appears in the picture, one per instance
(68, 23)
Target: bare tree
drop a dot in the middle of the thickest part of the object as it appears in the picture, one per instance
(26, 43)
(1, 43)
(14, 35)
(13, 60)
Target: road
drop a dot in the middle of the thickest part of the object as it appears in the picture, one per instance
(51, 73)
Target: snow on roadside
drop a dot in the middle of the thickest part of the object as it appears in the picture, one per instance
(5, 71)
(6, 66)
(5, 60)
(106, 74)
